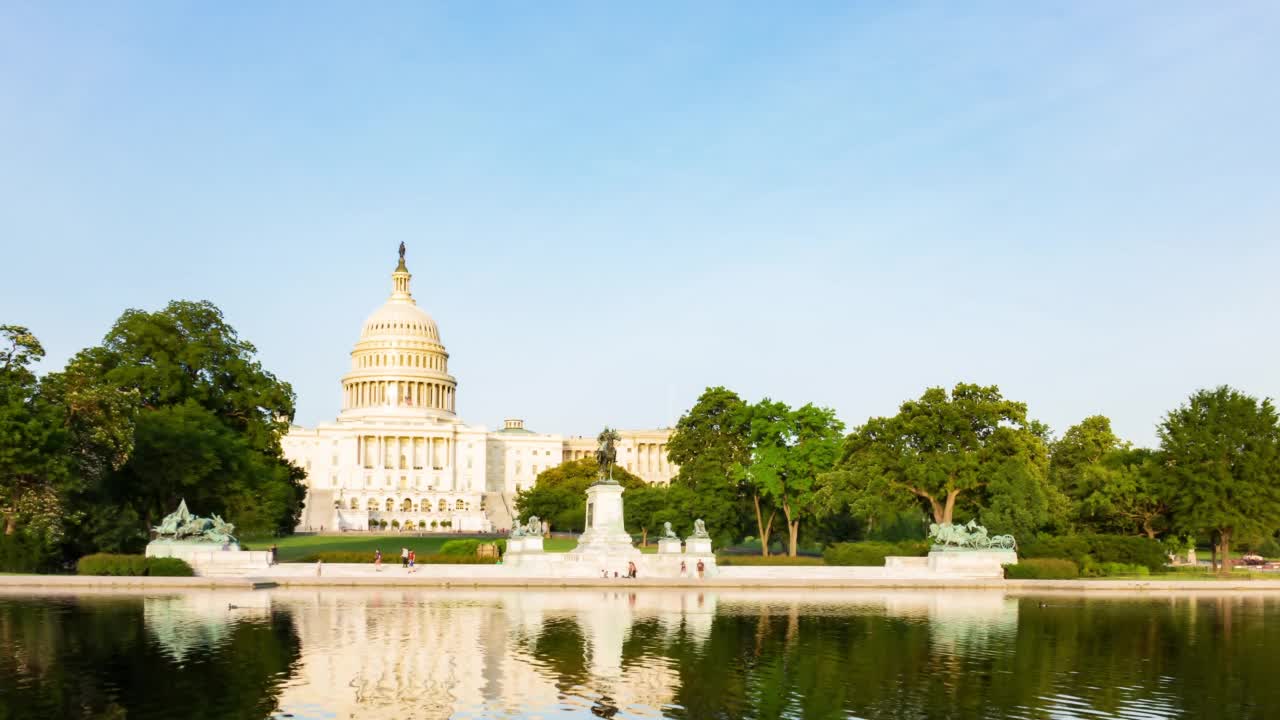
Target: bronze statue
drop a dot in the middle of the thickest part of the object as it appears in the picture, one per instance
(401, 251)
(607, 455)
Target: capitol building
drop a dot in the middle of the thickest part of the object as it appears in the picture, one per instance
(398, 456)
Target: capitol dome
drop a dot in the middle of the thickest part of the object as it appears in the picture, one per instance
(399, 364)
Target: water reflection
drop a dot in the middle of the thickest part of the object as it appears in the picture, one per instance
(330, 653)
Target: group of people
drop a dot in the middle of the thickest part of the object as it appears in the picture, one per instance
(632, 572)
(408, 559)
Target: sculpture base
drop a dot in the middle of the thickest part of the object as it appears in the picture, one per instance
(669, 546)
(210, 558)
(971, 563)
(697, 546)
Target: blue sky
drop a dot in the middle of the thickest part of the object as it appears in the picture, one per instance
(841, 203)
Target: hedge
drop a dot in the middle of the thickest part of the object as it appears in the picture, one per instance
(1089, 550)
(872, 553)
(132, 566)
(347, 556)
(460, 547)
(1042, 569)
(770, 560)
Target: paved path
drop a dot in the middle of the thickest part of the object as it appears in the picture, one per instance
(35, 582)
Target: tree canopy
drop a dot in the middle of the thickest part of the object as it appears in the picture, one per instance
(559, 494)
(1220, 464)
(946, 451)
(172, 405)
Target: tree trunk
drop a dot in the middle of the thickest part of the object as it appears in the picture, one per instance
(1213, 554)
(951, 506)
(1226, 550)
(10, 524)
(644, 537)
(793, 529)
(764, 528)
(942, 511)
(1146, 528)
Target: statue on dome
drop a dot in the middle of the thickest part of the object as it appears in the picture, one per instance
(401, 251)
(607, 455)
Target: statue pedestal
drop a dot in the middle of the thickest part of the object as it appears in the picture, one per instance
(605, 541)
(526, 544)
(971, 563)
(211, 558)
(668, 546)
(697, 546)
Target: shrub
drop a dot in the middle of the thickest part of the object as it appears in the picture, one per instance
(770, 560)
(1088, 550)
(1042, 569)
(1270, 549)
(459, 547)
(872, 553)
(1108, 569)
(132, 566)
(20, 553)
(502, 546)
(169, 567)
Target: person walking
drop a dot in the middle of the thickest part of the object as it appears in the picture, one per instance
(274, 548)
(684, 569)
(404, 558)
(413, 560)
(631, 570)
(377, 560)
(319, 566)
(701, 568)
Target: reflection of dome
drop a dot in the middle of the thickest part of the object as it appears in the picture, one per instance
(399, 363)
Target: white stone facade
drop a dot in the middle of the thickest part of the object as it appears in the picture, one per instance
(397, 452)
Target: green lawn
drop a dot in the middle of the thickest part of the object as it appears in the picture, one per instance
(294, 547)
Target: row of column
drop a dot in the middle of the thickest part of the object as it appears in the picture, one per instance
(396, 452)
(405, 393)
(651, 457)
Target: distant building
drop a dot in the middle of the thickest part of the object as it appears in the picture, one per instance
(398, 453)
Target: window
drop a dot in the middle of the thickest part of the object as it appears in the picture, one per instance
(460, 505)
(534, 470)
(407, 505)
(355, 504)
(444, 506)
(391, 504)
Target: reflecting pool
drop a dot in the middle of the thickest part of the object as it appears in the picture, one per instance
(332, 653)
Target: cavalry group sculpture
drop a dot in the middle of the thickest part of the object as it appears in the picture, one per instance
(181, 525)
(970, 536)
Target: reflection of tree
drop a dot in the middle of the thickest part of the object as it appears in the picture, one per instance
(1117, 657)
(561, 647)
(95, 659)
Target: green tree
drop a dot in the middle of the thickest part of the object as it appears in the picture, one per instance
(643, 505)
(941, 450)
(209, 424)
(1080, 449)
(789, 450)
(710, 447)
(1124, 494)
(33, 444)
(559, 494)
(1220, 465)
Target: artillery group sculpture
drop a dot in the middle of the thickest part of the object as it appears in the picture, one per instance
(970, 536)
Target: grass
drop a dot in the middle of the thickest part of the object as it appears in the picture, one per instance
(295, 547)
